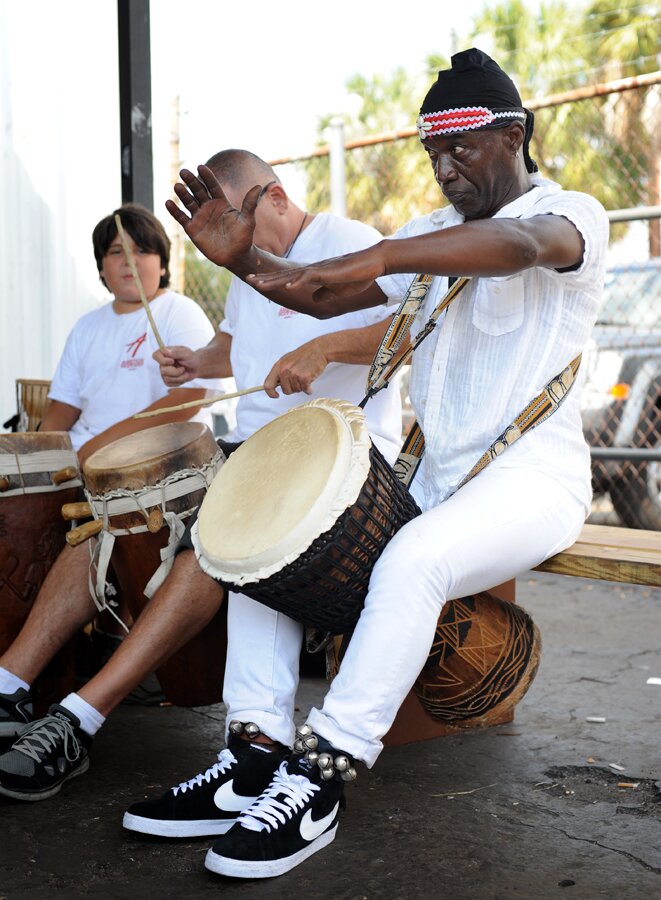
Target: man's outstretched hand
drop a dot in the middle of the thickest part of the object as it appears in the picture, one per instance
(219, 231)
(331, 279)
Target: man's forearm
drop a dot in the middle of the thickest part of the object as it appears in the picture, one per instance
(353, 346)
(301, 299)
(487, 248)
(213, 361)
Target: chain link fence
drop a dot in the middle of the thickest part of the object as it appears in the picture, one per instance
(604, 140)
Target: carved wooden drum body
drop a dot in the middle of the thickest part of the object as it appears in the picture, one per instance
(483, 659)
(38, 473)
(300, 512)
(142, 489)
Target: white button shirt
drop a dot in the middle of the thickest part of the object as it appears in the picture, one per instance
(496, 347)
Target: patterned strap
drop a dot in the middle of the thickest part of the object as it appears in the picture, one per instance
(399, 327)
(386, 363)
(532, 415)
(410, 456)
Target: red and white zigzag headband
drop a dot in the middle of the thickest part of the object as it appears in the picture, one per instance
(467, 118)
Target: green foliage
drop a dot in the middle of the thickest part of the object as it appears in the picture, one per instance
(602, 145)
(388, 182)
(607, 146)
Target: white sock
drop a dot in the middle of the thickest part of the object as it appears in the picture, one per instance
(90, 719)
(10, 683)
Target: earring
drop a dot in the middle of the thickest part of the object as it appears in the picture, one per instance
(516, 155)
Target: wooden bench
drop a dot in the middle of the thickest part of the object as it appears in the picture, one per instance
(608, 553)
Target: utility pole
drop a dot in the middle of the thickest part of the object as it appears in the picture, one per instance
(338, 187)
(177, 261)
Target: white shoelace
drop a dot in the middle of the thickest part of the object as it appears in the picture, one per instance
(44, 735)
(279, 802)
(226, 759)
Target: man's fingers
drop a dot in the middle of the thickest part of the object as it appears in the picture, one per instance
(250, 202)
(211, 183)
(288, 278)
(177, 213)
(186, 197)
(195, 186)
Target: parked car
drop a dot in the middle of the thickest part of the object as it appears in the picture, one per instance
(621, 401)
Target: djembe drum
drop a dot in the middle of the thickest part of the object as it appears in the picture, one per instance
(300, 512)
(297, 518)
(141, 489)
(38, 473)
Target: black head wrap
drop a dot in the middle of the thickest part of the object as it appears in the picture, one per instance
(474, 95)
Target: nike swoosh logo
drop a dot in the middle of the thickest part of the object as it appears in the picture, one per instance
(227, 800)
(311, 829)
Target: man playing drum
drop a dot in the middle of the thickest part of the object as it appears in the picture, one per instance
(301, 354)
(535, 258)
(256, 335)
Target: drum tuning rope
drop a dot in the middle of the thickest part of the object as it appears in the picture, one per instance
(121, 501)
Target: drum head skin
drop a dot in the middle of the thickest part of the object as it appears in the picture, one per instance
(281, 489)
(147, 456)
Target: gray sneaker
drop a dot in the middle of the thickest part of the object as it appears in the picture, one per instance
(52, 750)
(16, 713)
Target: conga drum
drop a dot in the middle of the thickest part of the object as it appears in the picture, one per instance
(300, 512)
(38, 473)
(141, 490)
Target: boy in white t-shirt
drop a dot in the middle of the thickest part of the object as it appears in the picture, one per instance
(105, 375)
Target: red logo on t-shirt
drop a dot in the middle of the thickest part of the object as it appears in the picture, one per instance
(137, 343)
(132, 348)
(285, 313)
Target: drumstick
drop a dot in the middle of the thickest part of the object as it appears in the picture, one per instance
(208, 401)
(131, 261)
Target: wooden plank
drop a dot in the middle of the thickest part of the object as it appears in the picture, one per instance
(628, 555)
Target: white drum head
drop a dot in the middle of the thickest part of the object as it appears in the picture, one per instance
(281, 489)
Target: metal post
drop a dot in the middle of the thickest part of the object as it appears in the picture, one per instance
(338, 188)
(135, 102)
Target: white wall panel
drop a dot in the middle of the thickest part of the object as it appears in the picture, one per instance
(59, 151)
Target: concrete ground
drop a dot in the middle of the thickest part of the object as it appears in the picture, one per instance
(532, 810)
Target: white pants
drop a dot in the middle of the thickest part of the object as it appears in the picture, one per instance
(503, 522)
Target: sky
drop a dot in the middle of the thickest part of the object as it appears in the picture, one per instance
(250, 74)
(260, 75)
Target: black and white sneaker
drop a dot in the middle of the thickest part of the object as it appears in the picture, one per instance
(51, 751)
(16, 713)
(209, 803)
(296, 816)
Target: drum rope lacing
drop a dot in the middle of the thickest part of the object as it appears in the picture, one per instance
(120, 501)
(42, 462)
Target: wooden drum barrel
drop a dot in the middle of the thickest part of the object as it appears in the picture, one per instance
(141, 489)
(38, 473)
(483, 659)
